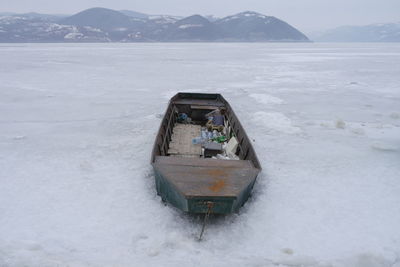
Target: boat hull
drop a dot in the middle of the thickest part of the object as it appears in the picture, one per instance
(201, 185)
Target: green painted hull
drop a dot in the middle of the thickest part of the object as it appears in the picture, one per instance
(198, 204)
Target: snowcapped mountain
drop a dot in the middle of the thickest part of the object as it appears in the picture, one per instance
(116, 24)
(164, 19)
(105, 25)
(106, 19)
(252, 26)
(383, 32)
(193, 28)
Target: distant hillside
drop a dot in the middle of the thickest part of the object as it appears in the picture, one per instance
(106, 25)
(388, 32)
(193, 28)
(102, 18)
(17, 29)
(134, 14)
(252, 26)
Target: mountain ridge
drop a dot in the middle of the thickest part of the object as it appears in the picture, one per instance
(106, 25)
(377, 32)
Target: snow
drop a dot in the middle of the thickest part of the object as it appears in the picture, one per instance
(121, 29)
(274, 121)
(92, 29)
(54, 27)
(164, 19)
(266, 99)
(73, 35)
(231, 18)
(246, 14)
(77, 124)
(185, 26)
(253, 14)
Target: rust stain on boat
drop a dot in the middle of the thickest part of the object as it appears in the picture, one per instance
(218, 183)
(217, 186)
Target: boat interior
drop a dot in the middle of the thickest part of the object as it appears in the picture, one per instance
(198, 127)
(195, 136)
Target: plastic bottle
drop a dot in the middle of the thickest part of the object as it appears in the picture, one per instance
(197, 140)
(204, 134)
(215, 133)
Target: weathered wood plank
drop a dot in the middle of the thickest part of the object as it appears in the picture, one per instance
(199, 102)
(196, 181)
(205, 162)
(181, 140)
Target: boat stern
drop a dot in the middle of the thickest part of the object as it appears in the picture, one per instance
(195, 186)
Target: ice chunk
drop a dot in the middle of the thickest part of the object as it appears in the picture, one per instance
(340, 124)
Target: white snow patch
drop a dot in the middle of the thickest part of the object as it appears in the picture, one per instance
(121, 29)
(266, 99)
(163, 19)
(231, 18)
(383, 146)
(74, 35)
(275, 121)
(186, 26)
(92, 29)
(19, 137)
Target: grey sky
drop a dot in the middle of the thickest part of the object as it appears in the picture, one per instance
(306, 15)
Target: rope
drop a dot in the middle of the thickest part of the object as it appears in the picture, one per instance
(209, 206)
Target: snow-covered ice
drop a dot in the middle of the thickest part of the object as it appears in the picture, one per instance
(274, 121)
(266, 99)
(77, 123)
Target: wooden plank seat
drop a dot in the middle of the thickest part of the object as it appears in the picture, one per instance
(181, 144)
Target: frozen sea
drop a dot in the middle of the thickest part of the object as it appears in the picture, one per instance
(77, 124)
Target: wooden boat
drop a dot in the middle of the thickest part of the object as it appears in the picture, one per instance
(185, 176)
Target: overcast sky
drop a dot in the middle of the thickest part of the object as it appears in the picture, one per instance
(306, 15)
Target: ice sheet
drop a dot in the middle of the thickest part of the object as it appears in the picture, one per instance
(77, 124)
